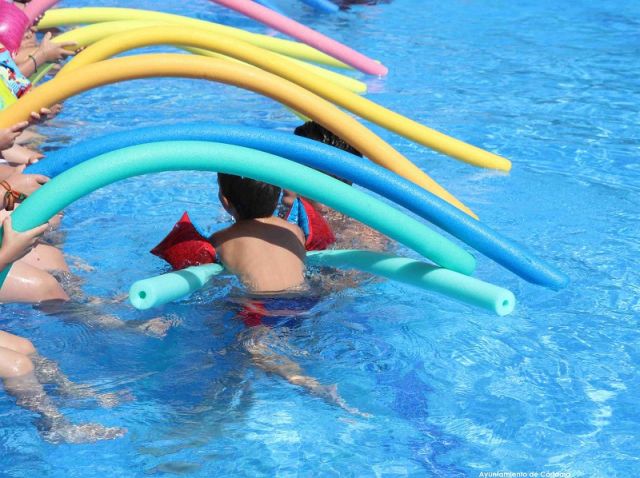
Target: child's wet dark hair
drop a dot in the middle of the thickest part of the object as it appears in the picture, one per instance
(317, 132)
(251, 199)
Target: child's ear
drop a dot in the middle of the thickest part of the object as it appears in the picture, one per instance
(226, 204)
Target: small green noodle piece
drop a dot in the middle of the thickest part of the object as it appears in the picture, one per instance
(156, 291)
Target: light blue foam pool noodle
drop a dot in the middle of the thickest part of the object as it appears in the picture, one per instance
(362, 172)
(165, 288)
(108, 168)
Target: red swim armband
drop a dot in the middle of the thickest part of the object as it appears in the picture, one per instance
(317, 231)
(185, 246)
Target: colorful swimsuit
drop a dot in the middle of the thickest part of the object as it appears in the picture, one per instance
(11, 75)
(275, 311)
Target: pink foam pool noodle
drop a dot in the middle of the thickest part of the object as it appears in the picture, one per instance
(35, 8)
(304, 34)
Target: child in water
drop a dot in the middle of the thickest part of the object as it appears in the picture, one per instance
(349, 234)
(22, 370)
(29, 279)
(267, 254)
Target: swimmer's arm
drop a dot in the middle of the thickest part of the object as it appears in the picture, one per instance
(16, 245)
(47, 52)
(6, 171)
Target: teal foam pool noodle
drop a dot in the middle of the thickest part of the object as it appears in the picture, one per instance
(155, 291)
(422, 275)
(160, 290)
(206, 156)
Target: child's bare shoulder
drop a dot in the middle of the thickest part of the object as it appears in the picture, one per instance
(221, 236)
(291, 227)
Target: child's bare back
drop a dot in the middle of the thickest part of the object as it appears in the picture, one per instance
(267, 254)
(264, 251)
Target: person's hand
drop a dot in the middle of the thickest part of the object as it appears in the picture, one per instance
(9, 135)
(19, 155)
(288, 198)
(55, 221)
(26, 183)
(16, 245)
(54, 52)
(45, 114)
(34, 157)
(29, 39)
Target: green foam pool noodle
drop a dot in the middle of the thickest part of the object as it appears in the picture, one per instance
(155, 291)
(160, 290)
(420, 274)
(149, 158)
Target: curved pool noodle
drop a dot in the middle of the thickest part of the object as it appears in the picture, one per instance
(35, 8)
(388, 119)
(334, 161)
(156, 291)
(87, 35)
(322, 5)
(79, 16)
(184, 37)
(284, 67)
(337, 79)
(306, 35)
(13, 25)
(281, 66)
(189, 66)
(419, 274)
(148, 158)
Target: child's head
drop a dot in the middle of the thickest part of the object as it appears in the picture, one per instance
(245, 198)
(317, 132)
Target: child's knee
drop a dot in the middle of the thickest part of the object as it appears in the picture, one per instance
(45, 287)
(22, 366)
(23, 346)
(48, 288)
(28, 284)
(14, 364)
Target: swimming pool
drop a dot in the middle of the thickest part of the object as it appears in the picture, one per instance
(453, 391)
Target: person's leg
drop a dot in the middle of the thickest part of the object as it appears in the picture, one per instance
(46, 258)
(18, 376)
(19, 380)
(27, 284)
(18, 155)
(14, 364)
(257, 341)
(17, 344)
(29, 136)
(48, 371)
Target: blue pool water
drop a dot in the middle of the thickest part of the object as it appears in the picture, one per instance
(453, 391)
